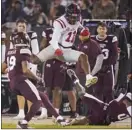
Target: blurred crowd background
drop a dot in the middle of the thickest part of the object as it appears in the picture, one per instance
(40, 12)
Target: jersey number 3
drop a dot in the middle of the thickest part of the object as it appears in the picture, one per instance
(71, 37)
(105, 53)
(11, 62)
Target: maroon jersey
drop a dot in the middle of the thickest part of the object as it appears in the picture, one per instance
(14, 58)
(103, 114)
(109, 48)
(48, 34)
(92, 49)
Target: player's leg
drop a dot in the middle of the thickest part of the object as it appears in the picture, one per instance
(44, 55)
(21, 104)
(77, 56)
(99, 86)
(57, 97)
(52, 110)
(108, 84)
(68, 87)
(128, 102)
(29, 91)
(79, 88)
(72, 100)
(48, 78)
(58, 83)
(29, 104)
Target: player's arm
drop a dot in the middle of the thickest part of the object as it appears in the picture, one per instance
(114, 51)
(35, 50)
(99, 61)
(43, 43)
(3, 46)
(4, 68)
(25, 60)
(98, 64)
(27, 71)
(34, 43)
(56, 35)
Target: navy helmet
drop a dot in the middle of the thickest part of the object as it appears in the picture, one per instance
(73, 13)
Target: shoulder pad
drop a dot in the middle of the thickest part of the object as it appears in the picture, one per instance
(113, 38)
(32, 34)
(61, 22)
(25, 51)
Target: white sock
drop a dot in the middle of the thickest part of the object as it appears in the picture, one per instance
(57, 110)
(21, 112)
(88, 76)
(24, 122)
(43, 111)
(59, 118)
(129, 109)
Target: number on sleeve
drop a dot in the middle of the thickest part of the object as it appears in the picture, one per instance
(105, 53)
(11, 61)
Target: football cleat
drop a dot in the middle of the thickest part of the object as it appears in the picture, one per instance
(22, 125)
(92, 80)
(72, 75)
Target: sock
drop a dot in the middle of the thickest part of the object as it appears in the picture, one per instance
(88, 76)
(43, 111)
(24, 122)
(21, 112)
(57, 110)
(129, 109)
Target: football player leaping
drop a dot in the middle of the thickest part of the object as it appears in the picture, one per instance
(65, 30)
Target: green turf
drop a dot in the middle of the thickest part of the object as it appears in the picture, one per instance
(41, 126)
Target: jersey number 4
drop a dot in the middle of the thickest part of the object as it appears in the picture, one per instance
(71, 37)
(11, 61)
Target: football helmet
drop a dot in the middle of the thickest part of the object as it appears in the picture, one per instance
(72, 13)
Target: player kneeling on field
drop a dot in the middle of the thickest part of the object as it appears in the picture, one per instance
(101, 113)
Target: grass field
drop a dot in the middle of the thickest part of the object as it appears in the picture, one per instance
(9, 123)
(41, 126)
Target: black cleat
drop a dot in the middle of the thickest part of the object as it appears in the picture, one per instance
(72, 75)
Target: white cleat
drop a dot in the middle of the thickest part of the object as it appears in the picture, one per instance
(42, 116)
(19, 117)
(92, 80)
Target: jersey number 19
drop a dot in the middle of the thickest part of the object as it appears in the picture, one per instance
(11, 61)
